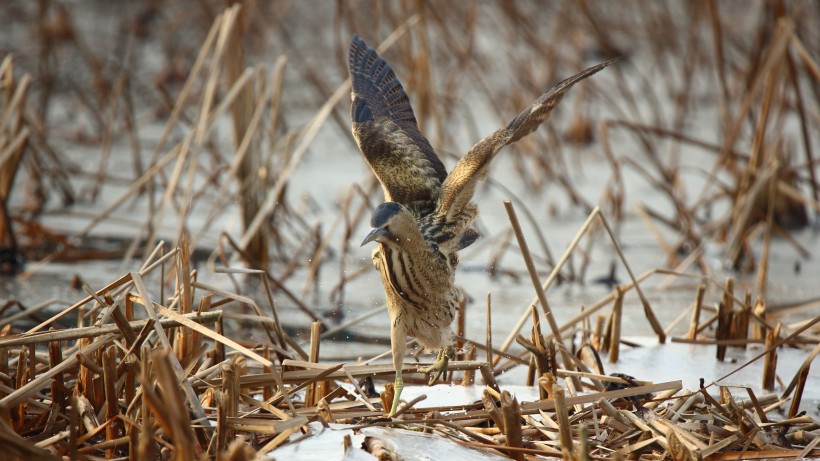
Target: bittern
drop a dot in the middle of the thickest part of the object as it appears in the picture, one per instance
(428, 214)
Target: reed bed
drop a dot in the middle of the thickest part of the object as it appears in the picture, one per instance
(175, 385)
(164, 362)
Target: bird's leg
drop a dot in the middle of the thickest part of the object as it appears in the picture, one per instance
(398, 385)
(439, 367)
(398, 337)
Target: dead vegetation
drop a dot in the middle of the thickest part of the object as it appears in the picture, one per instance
(145, 367)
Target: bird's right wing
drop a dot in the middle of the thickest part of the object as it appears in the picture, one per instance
(386, 131)
(457, 190)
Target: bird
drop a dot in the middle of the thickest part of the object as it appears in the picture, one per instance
(427, 215)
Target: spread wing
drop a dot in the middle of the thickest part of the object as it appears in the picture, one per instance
(386, 131)
(457, 190)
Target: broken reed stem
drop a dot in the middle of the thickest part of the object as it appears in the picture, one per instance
(770, 359)
(583, 442)
(562, 418)
(801, 378)
(111, 399)
(312, 394)
(615, 326)
(763, 266)
(246, 116)
(597, 333)
(693, 325)
(461, 329)
(228, 400)
(725, 313)
(511, 414)
(179, 426)
(489, 333)
(488, 377)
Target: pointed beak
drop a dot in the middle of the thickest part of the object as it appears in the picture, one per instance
(374, 235)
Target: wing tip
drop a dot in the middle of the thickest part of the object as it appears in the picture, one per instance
(356, 43)
(374, 80)
(600, 66)
(364, 62)
(357, 58)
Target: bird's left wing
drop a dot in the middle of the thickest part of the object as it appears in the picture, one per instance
(386, 131)
(457, 190)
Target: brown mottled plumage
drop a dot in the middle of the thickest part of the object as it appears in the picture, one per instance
(427, 215)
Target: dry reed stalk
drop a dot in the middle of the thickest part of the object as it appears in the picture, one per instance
(488, 338)
(42, 380)
(223, 340)
(112, 429)
(228, 402)
(693, 325)
(183, 341)
(562, 419)
(650, 315)
(177, 420)
(553, 274)
(314, 391)
(770, 359)
(725, 315)
(461, 322)
(528, 215)
(14, 136)
(243, 116)
(511, 416)
(597, 332)
(741, 319)
(531, 268)
(540, 292)
(615, 326)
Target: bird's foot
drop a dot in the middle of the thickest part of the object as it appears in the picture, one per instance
(398, 385)
(439, 367)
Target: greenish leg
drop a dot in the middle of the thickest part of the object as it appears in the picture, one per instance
(398, 385)
(398, 336)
